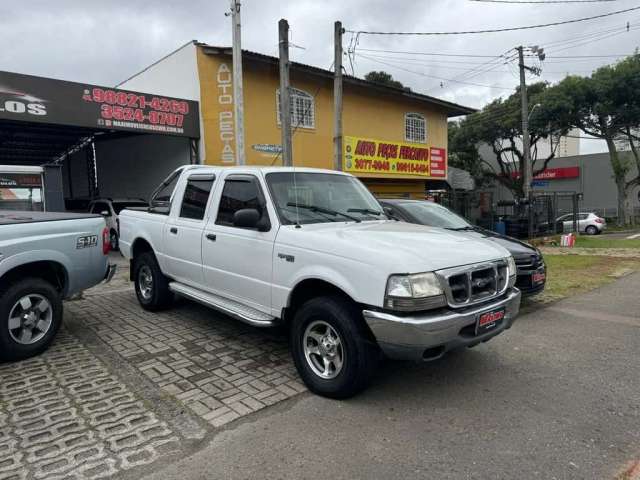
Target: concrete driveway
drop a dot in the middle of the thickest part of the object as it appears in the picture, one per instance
(557, 397)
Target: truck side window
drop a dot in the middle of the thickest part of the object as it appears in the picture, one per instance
(238, 194)
(194, 201)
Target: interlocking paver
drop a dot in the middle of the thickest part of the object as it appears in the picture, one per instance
(63, 414)
(204, 360)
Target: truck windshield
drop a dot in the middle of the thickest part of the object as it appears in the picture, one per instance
(321, 197)
(434, 215)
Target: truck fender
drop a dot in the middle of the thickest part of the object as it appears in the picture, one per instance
(33, 256)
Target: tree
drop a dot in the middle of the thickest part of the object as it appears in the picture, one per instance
(463, 152)
(606, 106)
(384, 78)
(499, 126)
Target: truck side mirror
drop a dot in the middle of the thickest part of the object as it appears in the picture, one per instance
(246, 218)
(389, 213)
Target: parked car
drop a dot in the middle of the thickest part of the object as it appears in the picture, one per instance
(110, 209)
(532, 271)
(588, 223)
(45, 258)
(312, 249)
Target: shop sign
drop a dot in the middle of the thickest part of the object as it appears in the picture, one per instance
(224, 81)
(20, 180)
(45, 100)
(366, 155)
(554, 173)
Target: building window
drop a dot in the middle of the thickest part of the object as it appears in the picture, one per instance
(303, 109)
(415, 128)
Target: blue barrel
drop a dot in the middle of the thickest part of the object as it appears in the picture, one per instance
(500, 227)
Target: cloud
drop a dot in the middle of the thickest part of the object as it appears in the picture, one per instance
(105, 42)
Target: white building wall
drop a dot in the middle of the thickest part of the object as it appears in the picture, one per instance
(175, 75)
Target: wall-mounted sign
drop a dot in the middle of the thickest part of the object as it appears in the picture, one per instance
(366, 155)
(554, 173)
(45, 100)
(20, 180)
(267, 148)
(561, 172)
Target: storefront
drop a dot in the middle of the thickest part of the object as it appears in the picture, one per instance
(67, 142)
(395, 140)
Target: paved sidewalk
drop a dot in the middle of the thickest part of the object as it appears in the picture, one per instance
(556, 397)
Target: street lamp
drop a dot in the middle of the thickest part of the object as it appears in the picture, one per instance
(533, 109)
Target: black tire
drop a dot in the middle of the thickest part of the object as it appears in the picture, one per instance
(361, 353)
(591, 230)
(10, 348)
(113, 240)
(159, 297)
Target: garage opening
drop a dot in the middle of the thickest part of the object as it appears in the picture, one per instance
(64, 144)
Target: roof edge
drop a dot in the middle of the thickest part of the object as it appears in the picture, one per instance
(452, 109)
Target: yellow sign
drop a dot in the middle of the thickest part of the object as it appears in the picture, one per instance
(366, 155)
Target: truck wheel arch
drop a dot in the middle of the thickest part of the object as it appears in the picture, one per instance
(139, 246)
(49, 270)
(310, 288)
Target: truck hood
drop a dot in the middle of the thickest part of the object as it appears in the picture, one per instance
(397, 246)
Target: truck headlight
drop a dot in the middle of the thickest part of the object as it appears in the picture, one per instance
(513, 270)
(410, 293)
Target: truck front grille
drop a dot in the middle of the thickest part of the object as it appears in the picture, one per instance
(472, 284)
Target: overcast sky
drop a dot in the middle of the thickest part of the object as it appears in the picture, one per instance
(105, 42)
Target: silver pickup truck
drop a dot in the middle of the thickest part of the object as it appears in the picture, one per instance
(45, 258)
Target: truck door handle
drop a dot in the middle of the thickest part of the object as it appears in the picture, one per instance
(211, 236)
(173, 230)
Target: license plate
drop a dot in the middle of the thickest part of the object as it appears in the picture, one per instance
(538, 277)
(489, 320)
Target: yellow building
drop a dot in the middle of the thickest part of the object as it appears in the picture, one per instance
(395, 140)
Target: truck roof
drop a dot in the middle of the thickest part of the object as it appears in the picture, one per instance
(261, 168)
(10, 217)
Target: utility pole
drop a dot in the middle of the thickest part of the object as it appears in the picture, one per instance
(285, 99)
(526, 147)
(337, 96)
(238, 114)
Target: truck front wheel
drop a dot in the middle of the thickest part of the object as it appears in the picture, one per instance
(30, 316)
(331, 349)
(152, 287)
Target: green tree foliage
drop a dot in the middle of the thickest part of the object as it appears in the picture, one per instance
(499, 125)
(384, 78)
(606, 105)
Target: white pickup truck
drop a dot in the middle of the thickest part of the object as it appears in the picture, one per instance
(313, 250)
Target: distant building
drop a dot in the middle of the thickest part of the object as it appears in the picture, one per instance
(590, 175)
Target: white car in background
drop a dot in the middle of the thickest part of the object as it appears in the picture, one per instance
(588, 223)
(110, 209)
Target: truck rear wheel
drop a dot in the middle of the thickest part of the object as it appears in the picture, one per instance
(30, 316)
(152, 287)
(331, 349)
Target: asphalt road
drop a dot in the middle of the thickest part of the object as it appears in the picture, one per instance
(556, 397)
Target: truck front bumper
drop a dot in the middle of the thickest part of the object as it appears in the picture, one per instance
(428, 336)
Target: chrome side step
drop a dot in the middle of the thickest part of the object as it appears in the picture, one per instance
(230, 307)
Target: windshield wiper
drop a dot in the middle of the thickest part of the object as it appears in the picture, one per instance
(328, 211)
(365, 210)
(462, 229)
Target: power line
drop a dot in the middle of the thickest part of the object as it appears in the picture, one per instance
(435, 77)
(497, 30)
(614, 55)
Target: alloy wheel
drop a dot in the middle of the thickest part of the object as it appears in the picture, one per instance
(30, 319)
(145, 282)
(323, 349)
